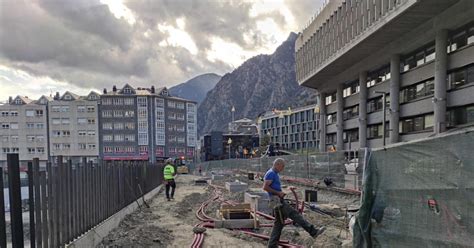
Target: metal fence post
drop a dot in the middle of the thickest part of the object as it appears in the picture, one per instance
(15, 200)
(3, 229)
(31, 204)
(38, 222)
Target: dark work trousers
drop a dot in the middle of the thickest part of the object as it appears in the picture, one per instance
(281, 213)
(171, 184)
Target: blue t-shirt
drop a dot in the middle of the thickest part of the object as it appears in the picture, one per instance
(273, 175)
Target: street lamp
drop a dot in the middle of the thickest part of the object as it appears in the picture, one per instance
(384, 95)
(229, 141)
(232, 125)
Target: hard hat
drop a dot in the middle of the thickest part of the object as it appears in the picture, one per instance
(169, 160)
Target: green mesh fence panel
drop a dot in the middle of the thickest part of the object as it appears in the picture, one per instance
(419, 195)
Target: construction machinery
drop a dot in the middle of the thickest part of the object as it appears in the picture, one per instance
(181, 167)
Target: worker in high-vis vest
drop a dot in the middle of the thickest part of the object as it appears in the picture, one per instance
(168, 175)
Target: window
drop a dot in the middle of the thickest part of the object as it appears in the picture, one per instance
(331, 98)
(119, 137)
(171, 104)
(107, 113)
(40, 138)
(91, 146)
(31, 150)
(143, 149)
(130, 149)
(14, 138)
(118, 126)
(351, 135)
(90, 109)
(128, 101)
(378, 76)
(108, 149)
(56, 133)
(461, 77)
(129, 113)
(81, 109)
(82, 146)
(56, 146)
(118, 101)
(127, 90)
(15, 150)
(39, 112)
(66, 133)
(65, 121)
(130, 137)
(416, 91)
(106, 101)
(160, 102)
(65, 109)
(82, 133)
(143, 125)
(6, 150)
(351, 112)
(90, 121)
(180, 105)
(81, 121)
(13, 125)
(91, 133)
(118, 113)
(461, 37)
(107, 126)
(460, 115)
(375, 104)
(331, 118)
(180, 116)
(40, 150)
(351, 89)
(416, 124)
(55, 109)
(18, 101)
(142, 102)
(172, 116)
(331, 139)
(160, 115)
(376, 131)
(66, 146)
(419, 57)
(39, 125)
(130, 126)
(107, 138)
(191, 107)
(13, 113)
(142, 113)
(30, 138)
(181, 139)
(5, 138)
(5, 113)
(5, 125)
(30, 113)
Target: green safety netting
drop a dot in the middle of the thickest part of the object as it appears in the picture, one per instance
(419, 194)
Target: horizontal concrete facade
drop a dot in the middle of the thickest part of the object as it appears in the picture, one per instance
(424, 29)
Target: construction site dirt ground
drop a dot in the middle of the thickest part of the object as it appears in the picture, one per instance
(170, 223)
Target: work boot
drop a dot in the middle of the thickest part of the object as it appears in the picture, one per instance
(317, 231)
(168, 199)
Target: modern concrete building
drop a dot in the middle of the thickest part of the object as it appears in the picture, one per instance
(419, 53)
(292, 129)
(73, 126)
(23, 129)
(146, 124)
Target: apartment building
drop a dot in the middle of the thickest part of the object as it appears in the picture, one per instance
(418, 53)
(145, 124)
(23, 129)
(291, 129)
(73, 126)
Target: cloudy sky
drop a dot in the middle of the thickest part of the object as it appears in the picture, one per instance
(82, 45)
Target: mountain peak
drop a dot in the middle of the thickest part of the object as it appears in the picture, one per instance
(196, 88)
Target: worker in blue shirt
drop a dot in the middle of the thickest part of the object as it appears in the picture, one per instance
(281, 208)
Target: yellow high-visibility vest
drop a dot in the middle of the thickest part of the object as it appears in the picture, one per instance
(168, 172)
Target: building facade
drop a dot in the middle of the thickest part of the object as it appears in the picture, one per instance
(23, 129)
(418, 54)
(73, 126)
(146, 124)
(292, 129)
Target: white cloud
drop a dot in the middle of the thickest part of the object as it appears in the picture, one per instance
(177, 36)
(119, 10)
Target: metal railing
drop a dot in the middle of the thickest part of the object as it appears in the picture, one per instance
(66, 200)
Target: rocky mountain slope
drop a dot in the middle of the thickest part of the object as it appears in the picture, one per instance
(196, 88)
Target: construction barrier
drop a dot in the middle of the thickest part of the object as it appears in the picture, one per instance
(419, 194)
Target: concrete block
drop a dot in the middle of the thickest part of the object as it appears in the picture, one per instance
(217, 177)
(236, 223)
(258, 199)
(351, 181)
(236, 186)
